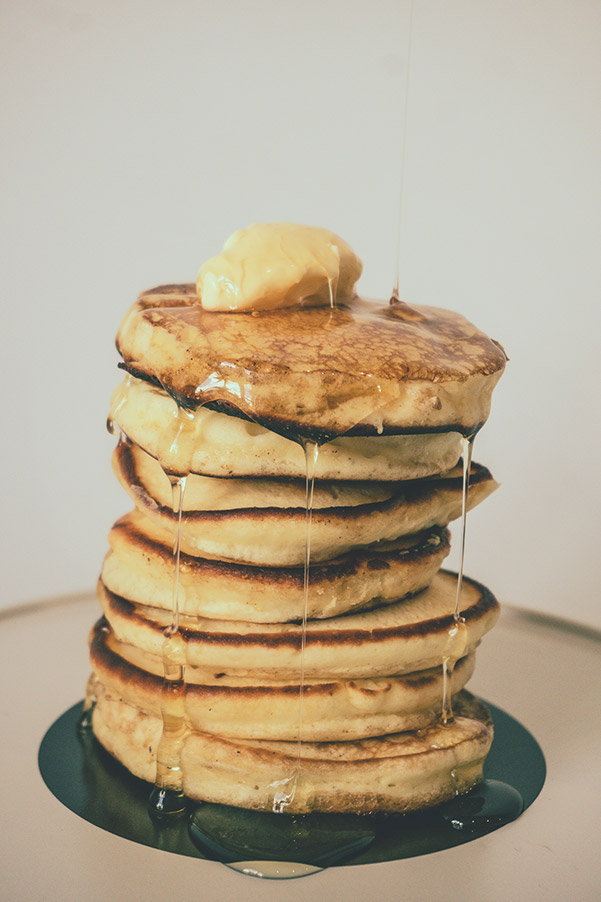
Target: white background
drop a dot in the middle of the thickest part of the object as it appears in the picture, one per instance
(137, 136)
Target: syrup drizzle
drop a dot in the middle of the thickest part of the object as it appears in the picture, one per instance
(286, 789)
(457, 636)
(118, 401)
(468, 447)
(177, 446)
(167, 798)
(395, 290)
(84, 724)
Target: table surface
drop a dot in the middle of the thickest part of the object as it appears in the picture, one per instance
(545, 672)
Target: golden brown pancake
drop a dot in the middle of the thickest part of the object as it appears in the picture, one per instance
(210, 493)
(217, 444)
(140, 567)
(275, 537)
(317, 372)
(391, 640)
(236, 707)
(398, 772)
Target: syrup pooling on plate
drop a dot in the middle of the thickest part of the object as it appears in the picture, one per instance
(77, 772)
(492, 803)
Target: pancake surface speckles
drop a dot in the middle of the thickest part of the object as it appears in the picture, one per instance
(216, 444)
(316, 371)
(239, 707)
(139, 567)
(392, 639)
(275, 536)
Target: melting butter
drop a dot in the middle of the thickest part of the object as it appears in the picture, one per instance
(279, 264)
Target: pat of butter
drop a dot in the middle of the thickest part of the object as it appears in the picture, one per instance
(278, 264)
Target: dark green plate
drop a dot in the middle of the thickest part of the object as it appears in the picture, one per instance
(88, 781)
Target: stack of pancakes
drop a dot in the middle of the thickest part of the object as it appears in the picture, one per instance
(241, 409)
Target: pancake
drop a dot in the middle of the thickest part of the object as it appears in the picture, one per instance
(317, 372)
(210, 493)
(140, 568)
(398, 772)
(275, 537)
(217, 444)
(391, 640)
(244, 708)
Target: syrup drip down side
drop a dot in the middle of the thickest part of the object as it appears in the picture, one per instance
(168, 795)
(457, 637)
(358, 367)
(285, 789)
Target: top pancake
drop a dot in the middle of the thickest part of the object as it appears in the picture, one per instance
(316, 372)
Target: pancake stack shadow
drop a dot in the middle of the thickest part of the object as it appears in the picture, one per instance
(379, 612)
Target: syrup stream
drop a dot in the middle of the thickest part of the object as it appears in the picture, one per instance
(468, 447)
(395, 291)
(167, 797)
(285, 789)
(457, 635)
(84, 723)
